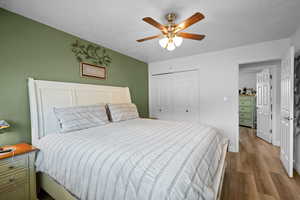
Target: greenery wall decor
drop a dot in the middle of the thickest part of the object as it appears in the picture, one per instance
(91, 53)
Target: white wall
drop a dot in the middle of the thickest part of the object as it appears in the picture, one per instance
(247, 80)
(218, 75)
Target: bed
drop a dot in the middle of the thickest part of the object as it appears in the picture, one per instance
(134, 159)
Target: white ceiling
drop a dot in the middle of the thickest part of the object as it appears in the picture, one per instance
(116, 24)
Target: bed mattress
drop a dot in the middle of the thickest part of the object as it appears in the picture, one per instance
(138, 159)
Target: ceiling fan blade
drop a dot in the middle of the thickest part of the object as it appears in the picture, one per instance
(190, 21)
(154, 23)
(191, 36)
(148, 38)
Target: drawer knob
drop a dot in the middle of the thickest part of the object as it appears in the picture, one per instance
(11, 179)
(11, 167)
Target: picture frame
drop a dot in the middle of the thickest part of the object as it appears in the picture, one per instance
(92, 71)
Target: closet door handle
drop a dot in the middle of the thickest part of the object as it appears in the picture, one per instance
(186, 110)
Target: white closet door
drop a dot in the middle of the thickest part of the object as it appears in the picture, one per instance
(263, 104)
(185, 96)
(175, 96)
(161, 97)
(287, 111)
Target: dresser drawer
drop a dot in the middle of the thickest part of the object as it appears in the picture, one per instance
(246, 122)
(246, 115)
(246, 102)
(246, 109)
(11, 166)
(11, 181)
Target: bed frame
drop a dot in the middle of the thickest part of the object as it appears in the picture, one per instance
(44, 95)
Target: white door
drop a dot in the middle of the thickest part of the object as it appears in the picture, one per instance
(175, 96)
(161, 99)
(286, 110)
(185, 96)
(263, 105)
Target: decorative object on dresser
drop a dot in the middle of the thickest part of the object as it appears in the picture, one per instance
(93, 71)
(247, 91)
(4, 125)
(248, 110)
(17, 174)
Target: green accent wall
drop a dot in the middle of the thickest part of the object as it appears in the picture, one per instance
(32, 49)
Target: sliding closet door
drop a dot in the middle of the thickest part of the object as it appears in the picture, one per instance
(185, 96)
(175, 96)
(161, 97)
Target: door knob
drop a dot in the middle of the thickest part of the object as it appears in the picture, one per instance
(288, 118)
(186, 110)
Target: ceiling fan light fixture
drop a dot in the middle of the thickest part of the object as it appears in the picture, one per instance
(164, 42)
(171, 46)
(178, 41)
(171, 35)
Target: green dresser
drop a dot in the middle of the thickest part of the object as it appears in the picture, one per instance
(248, 111)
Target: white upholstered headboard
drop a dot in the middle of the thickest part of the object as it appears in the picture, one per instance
(45, 95)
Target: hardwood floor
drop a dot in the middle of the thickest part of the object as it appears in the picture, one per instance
(256, 173)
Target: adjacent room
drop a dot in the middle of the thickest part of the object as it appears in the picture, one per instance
(150, 100)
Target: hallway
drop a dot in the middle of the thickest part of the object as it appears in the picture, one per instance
(256, 172)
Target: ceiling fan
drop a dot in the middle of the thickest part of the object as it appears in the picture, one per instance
(171, 35)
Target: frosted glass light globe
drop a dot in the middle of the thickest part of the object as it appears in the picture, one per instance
(163, 42)
(177, 40)
(171, 46)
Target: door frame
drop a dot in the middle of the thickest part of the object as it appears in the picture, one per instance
(275, 82)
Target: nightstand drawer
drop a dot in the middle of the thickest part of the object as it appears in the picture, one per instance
(11, 166)
(17, 173)
(15, 186)
(20, 192)
(11, 181)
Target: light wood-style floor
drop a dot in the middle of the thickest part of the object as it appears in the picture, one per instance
(255, 173)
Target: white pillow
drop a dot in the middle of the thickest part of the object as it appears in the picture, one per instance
(81, 117)
(121, 112)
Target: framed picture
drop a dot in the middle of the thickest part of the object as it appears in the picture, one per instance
(93, 71)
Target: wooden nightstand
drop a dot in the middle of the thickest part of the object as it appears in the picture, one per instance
(17, 173)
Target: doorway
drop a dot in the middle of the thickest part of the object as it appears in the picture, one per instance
(259, 100)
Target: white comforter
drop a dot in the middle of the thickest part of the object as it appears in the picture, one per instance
(136, 160)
